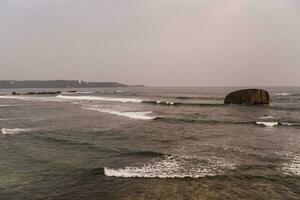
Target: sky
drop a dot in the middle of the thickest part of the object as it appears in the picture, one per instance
(152, 42)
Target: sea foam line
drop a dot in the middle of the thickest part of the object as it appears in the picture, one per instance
(134, 115)
(6, 105)
(6, 131)
(28, 98)
(282, 94)
(98, 98)
(171, 167)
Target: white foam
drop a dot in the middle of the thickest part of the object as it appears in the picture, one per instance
(268, 124)
(293, 166)
(167, 102)
(3, 105)
(133, 115)
(282, 94)
(171, 167)
(29, 98)
(289, 124)
(6, 119)
(170, 103)
(14, 97)
(98, 98)
(6, 131)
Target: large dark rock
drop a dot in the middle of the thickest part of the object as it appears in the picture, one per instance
(248, 96)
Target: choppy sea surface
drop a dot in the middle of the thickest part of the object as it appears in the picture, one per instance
(148, 143)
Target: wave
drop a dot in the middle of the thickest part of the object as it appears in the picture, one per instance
(272, 124)
(264, 123)
(293, 166)
(14, 97)
(5, 105)
(98, 98)
(282, 94)
(75, 92)
(289, 124)
(160, 102)
(7, 119)
(268, 124)
(170, 103)
(30, 98)
(134, 115)
(175, 120)
(173, 167)
(199, 98)
(6, 131)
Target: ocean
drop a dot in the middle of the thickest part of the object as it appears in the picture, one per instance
(148, 143)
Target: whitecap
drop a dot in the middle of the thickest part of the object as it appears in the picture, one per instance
(268, 124)
(292, 167)
(14, 97)
(170, 103)
(6, 131)
(134, 115)
(98, 98)
(173, 167)
(282, 94)
(165, 102)
(30, 98)
(5, 105)
(287, 124)
(6, 119)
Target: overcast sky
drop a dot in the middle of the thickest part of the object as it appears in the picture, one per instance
(152, 42)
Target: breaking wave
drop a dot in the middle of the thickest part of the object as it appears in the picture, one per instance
(268, 124)
(98, 98)
(4, 105)
(175, 120)
(6, 131)
(264, 123)
(171, 103)
(200, 98)
(282, 94)
(134, 115)
(30, 98)
(173, 167)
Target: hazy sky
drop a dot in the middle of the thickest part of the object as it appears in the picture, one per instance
(153, 42)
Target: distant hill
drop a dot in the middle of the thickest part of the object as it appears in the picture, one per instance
(57, 84)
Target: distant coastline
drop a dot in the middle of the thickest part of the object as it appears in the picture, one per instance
(6, 84)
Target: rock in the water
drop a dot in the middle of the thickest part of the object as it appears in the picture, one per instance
(248, 96)
(37, 93)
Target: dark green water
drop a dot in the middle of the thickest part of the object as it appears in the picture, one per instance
(149, 143)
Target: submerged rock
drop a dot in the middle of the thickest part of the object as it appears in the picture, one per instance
(248, 96)
(37, 93)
